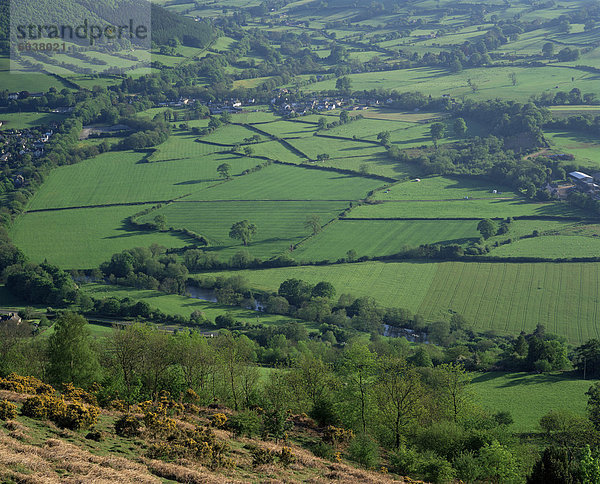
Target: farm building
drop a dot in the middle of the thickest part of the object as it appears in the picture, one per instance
(10, 318)
(581, 177)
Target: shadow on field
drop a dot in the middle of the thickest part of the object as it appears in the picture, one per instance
(508, 380)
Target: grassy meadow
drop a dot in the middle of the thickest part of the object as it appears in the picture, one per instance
(83, 238)
(503, 297)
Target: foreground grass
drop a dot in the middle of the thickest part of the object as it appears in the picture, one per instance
(499, 391)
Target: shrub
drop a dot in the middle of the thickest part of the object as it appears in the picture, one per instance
(127, 426)
(363, 450)
(8, 410)
(322, 450)
(218, 420)
(245, 423)
(337, 435)
(262, 456)
(25, 384)
(78, 416)
(286, 456)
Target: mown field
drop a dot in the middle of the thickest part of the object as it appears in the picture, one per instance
(383, 237)
(279, 224)
(123, 177)
(499, 392)
(551, 246)
(503, 297)
(285, 182)
(28, 120)
(444, 188)
(464, 208)
(83, 238)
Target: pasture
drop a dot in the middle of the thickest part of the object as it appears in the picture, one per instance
(489, 82)
(28, 120)
(83, 238)
(444, 188)
(498, 391)
(551, 246)
(279, 224)
(585, 147)
(488, 208)
(383, 237)
(342, 149)
(285, 182)
(123, 177)
(502, 297)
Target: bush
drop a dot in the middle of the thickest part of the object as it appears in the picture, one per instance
(262, 456)
(286, 456)
(78, 416)
(8, 410)
(245, 423)
(218, 420)
(322, 450)
(363, 450)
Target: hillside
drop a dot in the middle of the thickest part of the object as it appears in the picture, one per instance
(155, 445)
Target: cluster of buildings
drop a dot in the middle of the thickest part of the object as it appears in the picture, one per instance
(282, 106)
(588, 184)
(15, 143)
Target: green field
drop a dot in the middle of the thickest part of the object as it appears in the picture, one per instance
(551, 246)
(383, 237)
(285, 182)
(585, 147)
(123, 177)
(28, 120)
(464, 208)
(279, 224)
(316, 145)
(542, 393)
(443, 188)
(490, 82)
(83, 238)
(502, 297)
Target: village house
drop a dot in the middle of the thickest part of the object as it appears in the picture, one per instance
(10, 318)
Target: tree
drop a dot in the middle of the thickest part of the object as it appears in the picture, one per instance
(486, 228)
(437, 132)
(548, 49)
(243, 231)
(384, 137)
(313, 222)
(459, 127)
(321, 123)
(343, 84)
(454, 381)
(161, 222)
(513, 78)
(344, 117)
(322, 157)
(71, 358)
(248, 151)
(323, 289)
(358, 365)
(224, 170)
(399, 394)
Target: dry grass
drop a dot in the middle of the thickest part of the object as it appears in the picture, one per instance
(185, 473)
(32, 464)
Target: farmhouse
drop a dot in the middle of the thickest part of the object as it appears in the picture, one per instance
(580, 177)
(10, 318)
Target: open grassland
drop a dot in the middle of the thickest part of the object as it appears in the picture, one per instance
(583, 146)
(274, 150)
(279, 224)
(444, 188)
(229, 134)
(551, 246)
(83, 238)
(285, 182)
(490, 82)
(509, 298)
(500, 391)
(503, 297)
(383, 237)
(465, 208)
(123, 177)
(22, 80)
(397, 284)
(316, 145)
(28, 120)
(183, 145)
